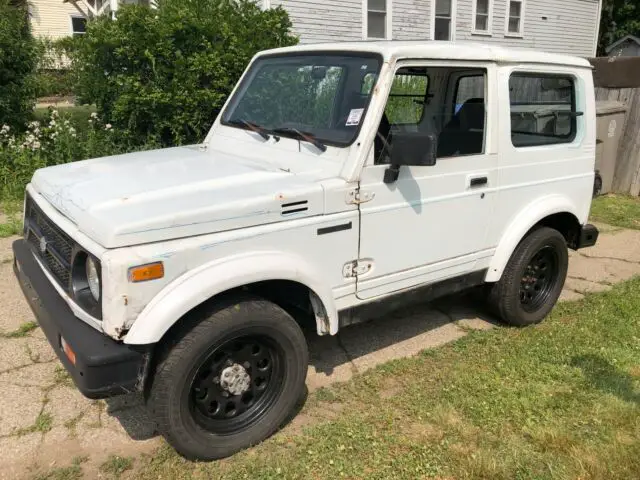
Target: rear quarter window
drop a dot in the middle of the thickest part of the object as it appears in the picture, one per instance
(543, 109)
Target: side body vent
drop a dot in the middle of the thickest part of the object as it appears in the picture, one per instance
(294, 207)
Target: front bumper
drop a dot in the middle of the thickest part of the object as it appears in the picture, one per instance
(103, 367)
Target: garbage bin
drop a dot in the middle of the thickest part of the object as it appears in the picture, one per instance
(611, 116)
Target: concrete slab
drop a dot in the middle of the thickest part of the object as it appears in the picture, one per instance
(401, 335)
(6, 253)
(15, 310)
(19, 408)
(14, 354)
(623, 245)
(570, 296)
(585, 286)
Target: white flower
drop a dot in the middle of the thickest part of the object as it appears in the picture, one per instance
(34, 124)
(72, 130)
(94, 115)
(54, 113)
(36, 145)
(66, 123)
(52, 123)
(90, 121)
(5, 129)
(107, 126)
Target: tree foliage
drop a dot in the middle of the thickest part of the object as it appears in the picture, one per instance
(18, 58)
(165, 73)
(619, 18)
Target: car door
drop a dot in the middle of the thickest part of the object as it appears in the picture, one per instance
(431, 223)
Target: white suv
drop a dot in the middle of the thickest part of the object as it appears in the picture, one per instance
(337, 181)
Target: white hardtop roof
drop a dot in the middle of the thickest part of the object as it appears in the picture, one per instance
(440, 50)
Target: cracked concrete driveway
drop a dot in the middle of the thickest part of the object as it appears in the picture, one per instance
(46, 423)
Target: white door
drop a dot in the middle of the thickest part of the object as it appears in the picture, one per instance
(431, 223)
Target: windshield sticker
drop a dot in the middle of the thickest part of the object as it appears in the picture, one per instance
(354, 116)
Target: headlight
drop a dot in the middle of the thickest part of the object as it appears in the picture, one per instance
(86, 283)
(93, 278)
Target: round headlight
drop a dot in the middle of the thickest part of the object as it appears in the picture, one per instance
(93, 278)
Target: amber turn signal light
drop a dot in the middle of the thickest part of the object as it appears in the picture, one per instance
(143, 273)
(68, 351)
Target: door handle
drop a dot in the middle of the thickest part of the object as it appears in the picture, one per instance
(478, 182)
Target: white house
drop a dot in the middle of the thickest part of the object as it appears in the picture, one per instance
(564, 26)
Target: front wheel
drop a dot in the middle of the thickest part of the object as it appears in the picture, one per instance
(230, 378)
(532, 280)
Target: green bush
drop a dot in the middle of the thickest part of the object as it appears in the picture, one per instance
(18, 53)
(166, 72)
(54, 139)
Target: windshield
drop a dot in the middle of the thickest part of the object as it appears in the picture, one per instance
(322, 95)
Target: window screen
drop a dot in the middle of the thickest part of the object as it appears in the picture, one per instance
(543, 109)
(79, 25)
(482, 16)
(515, 19)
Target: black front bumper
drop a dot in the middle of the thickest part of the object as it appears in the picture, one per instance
(103, 367)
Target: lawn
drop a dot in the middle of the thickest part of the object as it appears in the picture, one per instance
(557, 401)
(618, 210)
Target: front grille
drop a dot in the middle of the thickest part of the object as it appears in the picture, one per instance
(51, 245)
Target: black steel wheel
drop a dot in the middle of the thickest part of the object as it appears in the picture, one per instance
(532, 280)
(237, 382)
(227, 377)
(539, 278)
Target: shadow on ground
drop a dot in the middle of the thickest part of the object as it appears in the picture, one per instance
(601, 374)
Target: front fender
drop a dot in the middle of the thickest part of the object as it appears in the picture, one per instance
(521, 224)
(202, 283)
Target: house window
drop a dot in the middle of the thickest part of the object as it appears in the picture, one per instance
(483, 13)
(443, 20)
(515, 17)
(377, 18)
(78, 26)
(543, 109)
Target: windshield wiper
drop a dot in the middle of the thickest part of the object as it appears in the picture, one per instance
(306, 136)
(251, 126)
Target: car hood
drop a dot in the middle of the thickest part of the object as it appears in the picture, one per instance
(175, 192)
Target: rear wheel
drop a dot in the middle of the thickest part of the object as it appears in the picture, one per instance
(533, 278)
(229, 379)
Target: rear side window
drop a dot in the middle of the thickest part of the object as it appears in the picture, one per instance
(543, 109)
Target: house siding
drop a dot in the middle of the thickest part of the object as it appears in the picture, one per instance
(411, 19)
(329, 21)
(570, 26)
(51, 18)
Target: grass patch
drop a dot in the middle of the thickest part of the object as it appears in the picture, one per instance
(43, 424)
(556, 401)
(22, 331)
(618, 210)
(116, 465)
(72, 472)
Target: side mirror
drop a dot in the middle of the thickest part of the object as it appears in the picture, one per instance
(411, 148)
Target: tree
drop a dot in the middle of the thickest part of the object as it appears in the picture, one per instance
(619, 18)
(166, 72)
(18, 59)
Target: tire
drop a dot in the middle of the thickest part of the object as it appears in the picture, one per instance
(204, 406)
(532, 280)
